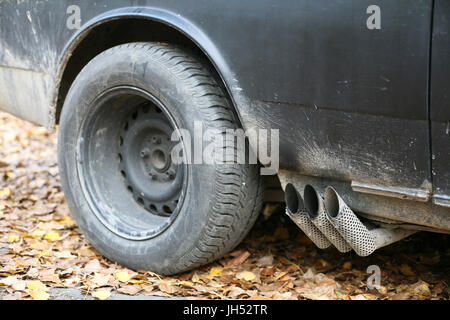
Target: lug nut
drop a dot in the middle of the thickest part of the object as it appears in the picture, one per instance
(145, 153)
(171, 174)
(156, 140)
(152, 174)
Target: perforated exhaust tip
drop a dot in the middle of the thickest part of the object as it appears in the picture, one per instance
(348, 224)
(316, 211)
(295, 209)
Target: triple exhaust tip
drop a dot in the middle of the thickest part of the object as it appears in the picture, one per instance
(329, 221)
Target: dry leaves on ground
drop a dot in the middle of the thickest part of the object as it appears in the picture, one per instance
(41, 248)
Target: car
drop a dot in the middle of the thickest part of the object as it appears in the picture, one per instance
(171, 113)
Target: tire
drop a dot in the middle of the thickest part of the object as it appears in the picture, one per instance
(105, 111)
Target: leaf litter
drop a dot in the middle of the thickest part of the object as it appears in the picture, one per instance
(41, 248)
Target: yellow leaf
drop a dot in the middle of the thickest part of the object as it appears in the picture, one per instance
(13, 238)
(215, 271)
(38, 233)
(382, 290)
(185, 283)
(134, 281)
(36, 285)
(246, 275)
(52, 236)
(323, 263)
(347, 265)
(406, 270)
(123, 276)
(66, 220)
(45, 253)
(5, 192)
(39, 295)
(102, 294)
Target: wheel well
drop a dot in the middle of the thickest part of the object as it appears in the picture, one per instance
(117, 32)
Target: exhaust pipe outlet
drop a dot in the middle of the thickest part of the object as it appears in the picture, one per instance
(315, 209)
(363, 241)
(295, 210)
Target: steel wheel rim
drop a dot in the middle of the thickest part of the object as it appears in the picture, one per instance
(150, 213)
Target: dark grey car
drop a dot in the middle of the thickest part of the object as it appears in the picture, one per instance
(354, 95)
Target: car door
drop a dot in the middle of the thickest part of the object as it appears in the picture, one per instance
(350, 99)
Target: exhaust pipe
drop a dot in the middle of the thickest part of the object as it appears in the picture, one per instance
(363, 241)
(295, 210)
(315, 209)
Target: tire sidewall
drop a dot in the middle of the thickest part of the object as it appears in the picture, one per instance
(133, 68)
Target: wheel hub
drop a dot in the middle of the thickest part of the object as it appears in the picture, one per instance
(145, 153)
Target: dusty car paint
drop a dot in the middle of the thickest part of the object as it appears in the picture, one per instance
(352, 104)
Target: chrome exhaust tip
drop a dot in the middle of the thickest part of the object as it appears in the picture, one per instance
(315, 209)
(295, 209)
(348, 224)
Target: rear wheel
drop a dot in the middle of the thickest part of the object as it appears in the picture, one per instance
(134, 203)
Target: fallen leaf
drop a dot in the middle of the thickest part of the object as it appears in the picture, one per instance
(130, 290)
(421, 288)
(167, 287)
(101, 294)
(101, 280)
(5, 193)
(38, 233)
(246, 275)
(265, 261)
(9, 281)
(65, 255)
(39, 246)
(196, 279)
(36, 285)
(67, 220)
(45, 253)
(267, 272)
(237, 261)
(86, 252)
(123, 276)
(13, 238)
(358, 297)
(406, 270)
(236, 292)
(93, 266)
(52, 236)
(215, 271)
(39, 295)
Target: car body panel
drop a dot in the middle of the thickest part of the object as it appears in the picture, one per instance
(351, 104)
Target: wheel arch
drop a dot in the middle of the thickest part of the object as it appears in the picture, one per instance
(148, 24)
